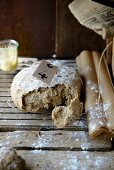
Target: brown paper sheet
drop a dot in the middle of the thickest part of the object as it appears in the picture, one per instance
(95, 113)
(94, 16)
(106, 88)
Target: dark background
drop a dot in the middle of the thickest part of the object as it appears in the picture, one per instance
(45, 27)
(109, 3)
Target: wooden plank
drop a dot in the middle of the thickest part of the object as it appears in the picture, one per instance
(5, 85)
(4, 93)
(16, 110)
(10, 110)
(4, 89)
(6, 80)
(68, 160)
(6, 76)
(5, 99)
(68, 140)
(26, 123)
(8, 73)
(79, 124)
(27, 116)
(24, 116)
(5, 104)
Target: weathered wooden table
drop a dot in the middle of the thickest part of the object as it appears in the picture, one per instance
(42, 145)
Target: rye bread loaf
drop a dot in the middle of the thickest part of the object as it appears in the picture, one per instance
(32, 95)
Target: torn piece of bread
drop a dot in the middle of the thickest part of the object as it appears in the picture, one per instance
(32, 95)
(12, 161)
(64, 115)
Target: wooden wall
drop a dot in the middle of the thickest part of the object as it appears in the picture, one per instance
(71, 37)
(31, 23)
(45, 27)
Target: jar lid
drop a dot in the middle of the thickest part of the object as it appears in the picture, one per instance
(7, 43)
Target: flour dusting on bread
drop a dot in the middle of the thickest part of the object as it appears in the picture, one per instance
(32, 95)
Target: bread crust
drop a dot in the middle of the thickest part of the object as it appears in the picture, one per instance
(32, 95)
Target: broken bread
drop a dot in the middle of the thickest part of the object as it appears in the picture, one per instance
(30, 94)
(12, 161)
(64, 115)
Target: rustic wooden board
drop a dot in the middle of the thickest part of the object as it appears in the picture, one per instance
(6, 76)
(6, 80)
(5, 93)
(40, 123)
(61, 140)
(24, 116)
(41, 144)
(10, 110)
(5, 104)
(5, 85)
(67, 160)
(2, 89)
(9, 73)
(5, 99)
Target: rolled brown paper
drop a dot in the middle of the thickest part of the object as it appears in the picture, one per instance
(106, 88)
(95, 113)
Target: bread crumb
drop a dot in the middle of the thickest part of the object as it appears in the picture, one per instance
(12, 161)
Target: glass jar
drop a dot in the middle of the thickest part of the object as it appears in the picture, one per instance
(8, 55)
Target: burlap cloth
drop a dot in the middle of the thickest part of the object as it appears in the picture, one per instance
(95, 16)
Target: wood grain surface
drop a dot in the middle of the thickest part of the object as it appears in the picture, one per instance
(42, 145)
(44, 28)
(31, 23)
(72, 37)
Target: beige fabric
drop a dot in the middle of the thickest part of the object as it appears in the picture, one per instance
(96, 116)
(95, 16)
